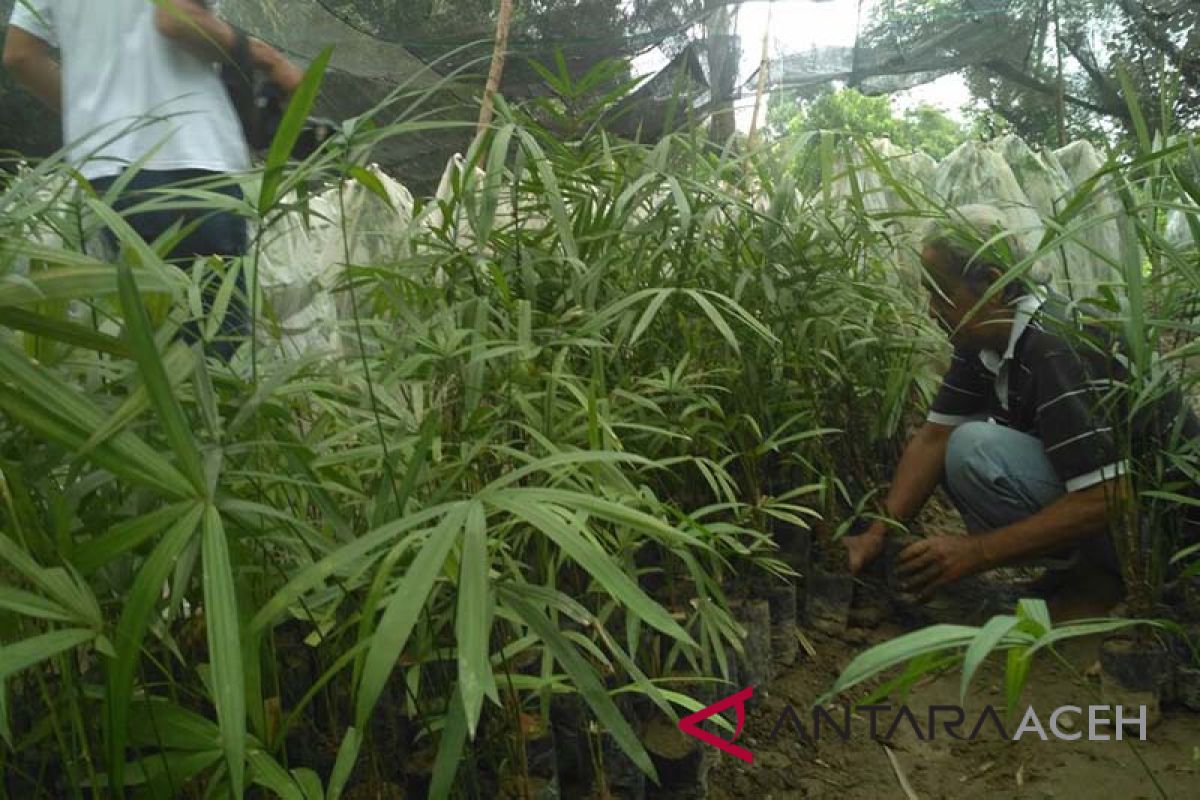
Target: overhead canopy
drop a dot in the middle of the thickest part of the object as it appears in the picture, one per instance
(688, 51)
(887, 53)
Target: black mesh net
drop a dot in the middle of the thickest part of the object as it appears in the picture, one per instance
(379, 44)
(891, 54)
(689, 52)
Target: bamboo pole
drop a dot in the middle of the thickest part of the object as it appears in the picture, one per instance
(762, 78)
(497, 68)
(1060, 93)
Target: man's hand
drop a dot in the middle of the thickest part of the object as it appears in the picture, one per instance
(864, 548)
(927, 565)
(285, 75)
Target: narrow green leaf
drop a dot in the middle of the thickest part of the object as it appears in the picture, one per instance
(290, 128)
(612, 511)
(1086, 627)
(368, 612)
(981, 646)
(27, 652)
(170, 414)
(61, 412)
(896, 651)
(450, 748)
(124, 232)
(493, 183)
(403, 609)
(31, 605)
(206, 397)
(586, 681)
(681, 203)
(136, 616)
(560, 602)
(370, 181)
(350, 554)
(565, 533)
(1034, 610)
(164, 774)
(552, 194)
(1131, 95)
(74, 595)
(224, 645)
(277, 381)
(266, 772)
(162, 724)
(310, 783)
(228, 284)
(177, 363)
(552, 466)
(347, 756)
(123, 537)
(1015, 675)
(62, 331)
(473, 621)
(715, 317)
(93, 280)
(649, 314)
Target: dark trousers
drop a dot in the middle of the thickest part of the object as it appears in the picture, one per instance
(216, 234)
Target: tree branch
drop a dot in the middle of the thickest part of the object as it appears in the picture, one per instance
(1186, 60)
(1108, 89)
(1157, 37)
(1010, 73)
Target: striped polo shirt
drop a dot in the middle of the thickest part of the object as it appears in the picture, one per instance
(1060, 380)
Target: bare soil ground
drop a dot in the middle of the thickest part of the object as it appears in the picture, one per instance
(990, 767)
(787, 767)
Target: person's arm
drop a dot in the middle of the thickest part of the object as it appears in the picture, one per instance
(961, 398)
(201, 32)
(917, 475)
(1066, 521)
(29, 60)
(931, 563)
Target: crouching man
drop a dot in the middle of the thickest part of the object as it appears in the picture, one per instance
(1024, 431)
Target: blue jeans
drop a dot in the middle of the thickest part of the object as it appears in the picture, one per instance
(216, 234)
(998, 476)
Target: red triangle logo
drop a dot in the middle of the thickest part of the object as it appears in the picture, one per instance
(689, 724)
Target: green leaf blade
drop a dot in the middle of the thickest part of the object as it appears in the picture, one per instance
(224, 645)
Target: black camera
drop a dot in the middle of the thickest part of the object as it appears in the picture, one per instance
(260, 105)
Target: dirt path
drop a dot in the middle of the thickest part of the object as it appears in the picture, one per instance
(990, 767)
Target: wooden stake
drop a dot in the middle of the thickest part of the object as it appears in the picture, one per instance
(497, 68)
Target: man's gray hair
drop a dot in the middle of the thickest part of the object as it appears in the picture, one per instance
(972, 237)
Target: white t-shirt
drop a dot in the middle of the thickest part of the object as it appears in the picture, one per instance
(127, 90)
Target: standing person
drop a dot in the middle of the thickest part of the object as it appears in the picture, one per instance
(1022, 432)
(135, 79)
